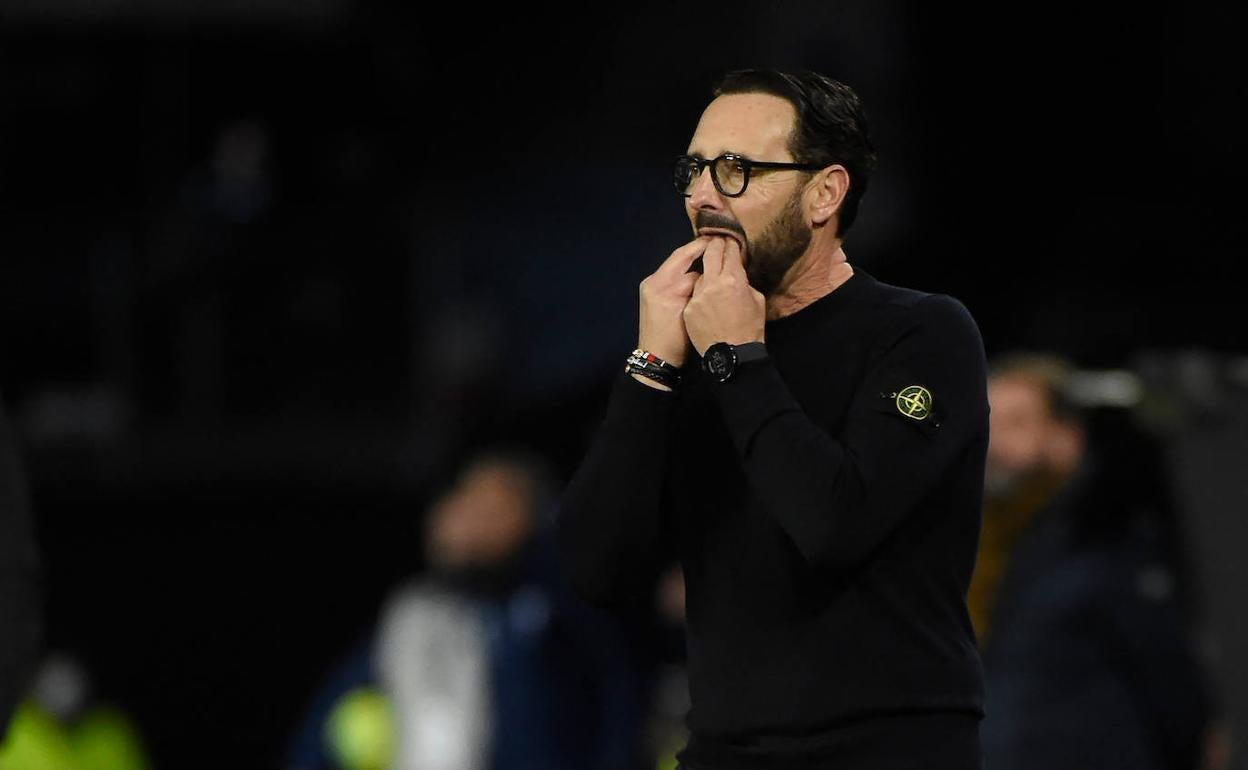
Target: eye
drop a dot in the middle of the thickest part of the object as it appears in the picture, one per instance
(730, 173)
(684, 172)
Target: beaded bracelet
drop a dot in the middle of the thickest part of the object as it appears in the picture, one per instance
(649, 365)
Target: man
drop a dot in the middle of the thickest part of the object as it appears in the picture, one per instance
(486, 661)
(1086, 656)
(815, 461)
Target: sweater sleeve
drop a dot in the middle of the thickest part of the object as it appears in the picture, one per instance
(611, 532)
(920, 406)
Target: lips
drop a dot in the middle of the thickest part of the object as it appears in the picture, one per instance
(736, 236)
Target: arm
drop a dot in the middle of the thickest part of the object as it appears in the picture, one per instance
(839, 497)
(308, 750)
(610, 520)
(609, 524)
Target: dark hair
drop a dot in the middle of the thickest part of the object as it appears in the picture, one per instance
(831, 125)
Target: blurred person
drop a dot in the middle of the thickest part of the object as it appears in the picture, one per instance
(812, 442)
(20, 594)
(666, 731)
(487, 662)
(1086, 653)
(63, 725)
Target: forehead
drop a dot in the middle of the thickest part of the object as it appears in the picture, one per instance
(755, 125)
(1016, 394)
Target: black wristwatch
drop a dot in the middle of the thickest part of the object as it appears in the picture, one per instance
(721, 359)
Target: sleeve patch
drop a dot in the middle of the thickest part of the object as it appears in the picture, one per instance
(914, 404)
(914, 401)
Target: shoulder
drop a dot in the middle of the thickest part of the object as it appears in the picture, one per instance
(932, 340)
(903, 311)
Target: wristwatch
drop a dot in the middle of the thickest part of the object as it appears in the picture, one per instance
(722, 359)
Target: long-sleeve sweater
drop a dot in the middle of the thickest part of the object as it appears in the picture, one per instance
(824, 504)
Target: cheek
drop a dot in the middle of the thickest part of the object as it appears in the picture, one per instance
(1015, 448)
(754, 224)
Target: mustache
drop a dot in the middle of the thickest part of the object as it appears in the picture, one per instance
(720, 221)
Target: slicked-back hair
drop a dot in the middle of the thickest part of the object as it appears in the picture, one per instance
(831, 125)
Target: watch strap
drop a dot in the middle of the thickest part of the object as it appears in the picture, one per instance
(750, 352)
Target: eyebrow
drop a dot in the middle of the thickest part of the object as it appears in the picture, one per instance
(745, 155)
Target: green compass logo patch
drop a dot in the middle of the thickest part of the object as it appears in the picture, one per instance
(915, 402)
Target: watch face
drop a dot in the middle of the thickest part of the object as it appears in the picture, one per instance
(719, 361)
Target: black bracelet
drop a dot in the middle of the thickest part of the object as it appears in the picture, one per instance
(651, 366)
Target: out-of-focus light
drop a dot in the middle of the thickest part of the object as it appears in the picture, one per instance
(1237, 371)
(1109, 388)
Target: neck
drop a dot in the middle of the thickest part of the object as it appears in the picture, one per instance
(816, 274)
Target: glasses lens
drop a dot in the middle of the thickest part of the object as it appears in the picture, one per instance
(684, 173)
(731, 174)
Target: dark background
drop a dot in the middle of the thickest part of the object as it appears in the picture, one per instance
(237, 388)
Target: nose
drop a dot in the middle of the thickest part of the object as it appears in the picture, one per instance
(703, 194)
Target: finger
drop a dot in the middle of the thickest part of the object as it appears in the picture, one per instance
(713, 259)
(682, 258)
(687, 284)
(734, 261)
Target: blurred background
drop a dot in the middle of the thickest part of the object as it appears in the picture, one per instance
(272, 272)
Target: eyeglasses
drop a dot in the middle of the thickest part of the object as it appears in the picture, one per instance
(729, 172)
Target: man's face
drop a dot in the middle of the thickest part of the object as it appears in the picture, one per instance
(481, 521)
(768, 219)
(1022, 433)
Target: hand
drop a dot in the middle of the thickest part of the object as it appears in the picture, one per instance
(724, 307)
(664, 295)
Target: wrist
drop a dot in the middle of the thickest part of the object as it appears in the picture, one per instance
(673, 354)
(645, 364)
(722, 360)
(649, 383)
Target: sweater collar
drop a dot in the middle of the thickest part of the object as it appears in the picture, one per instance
(845, 295)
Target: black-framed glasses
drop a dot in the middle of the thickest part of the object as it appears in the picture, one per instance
(729, 172)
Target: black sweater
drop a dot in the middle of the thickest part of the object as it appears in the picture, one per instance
(827, 537)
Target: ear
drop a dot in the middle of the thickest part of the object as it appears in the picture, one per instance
(829, 189)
